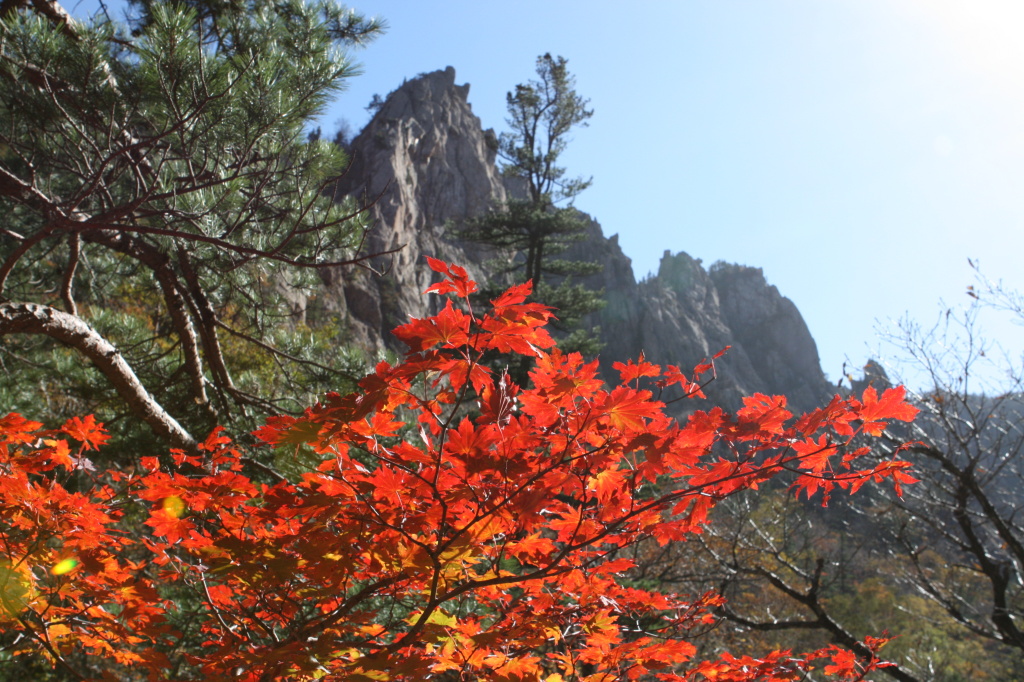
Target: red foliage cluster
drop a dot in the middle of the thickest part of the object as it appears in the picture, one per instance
(458, 524)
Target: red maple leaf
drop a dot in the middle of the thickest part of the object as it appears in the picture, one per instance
(632, 371)
(457, 281)
(449, 328)
(86, 430)
(490, 512)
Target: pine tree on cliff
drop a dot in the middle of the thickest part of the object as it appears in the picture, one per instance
(533, 228)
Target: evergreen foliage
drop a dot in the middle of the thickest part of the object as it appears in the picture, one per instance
(532, 228)
(164, 209)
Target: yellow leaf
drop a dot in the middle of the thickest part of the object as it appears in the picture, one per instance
(57, 631)
(437, 617)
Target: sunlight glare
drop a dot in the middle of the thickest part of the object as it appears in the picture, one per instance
(983, 35)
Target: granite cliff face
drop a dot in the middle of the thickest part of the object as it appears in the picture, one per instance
(686, 313)
(425, 160)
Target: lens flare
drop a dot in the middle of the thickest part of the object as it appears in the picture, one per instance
(65, 566)
(174, 506)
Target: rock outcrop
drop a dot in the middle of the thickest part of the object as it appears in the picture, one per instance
(422, 161)
(425, 161)
(685, 314)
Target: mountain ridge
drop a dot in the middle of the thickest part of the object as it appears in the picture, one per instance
(424, 162)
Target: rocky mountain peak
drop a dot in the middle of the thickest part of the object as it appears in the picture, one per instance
(424, 160)
(421, 161)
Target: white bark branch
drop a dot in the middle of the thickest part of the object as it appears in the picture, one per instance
(32, 318)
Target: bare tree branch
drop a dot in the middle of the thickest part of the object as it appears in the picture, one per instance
(31, 318)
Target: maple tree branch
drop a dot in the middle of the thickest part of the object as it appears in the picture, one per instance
(368, 591)
(554, 495)
(49, 648)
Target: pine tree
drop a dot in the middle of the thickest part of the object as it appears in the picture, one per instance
(162, 202)
(533, 228)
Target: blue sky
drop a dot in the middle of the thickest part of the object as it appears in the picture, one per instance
(859, 151)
